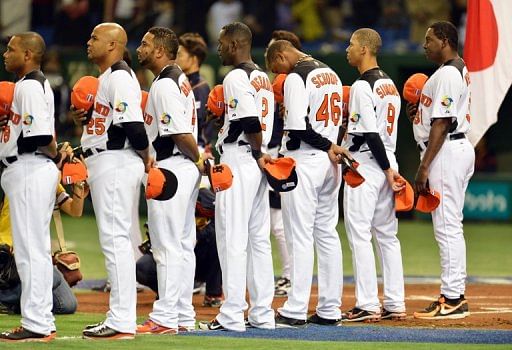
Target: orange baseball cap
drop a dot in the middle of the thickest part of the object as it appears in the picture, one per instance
(220, 176)
(144, 100)
(278, 87)
(428, 202)
(216, 101)
(413, 87)
(6, 97)
(281, 174)
(162, 184)
(351, 176)
(73, 173)
(84, 92)
(346, 97)
(404, 199)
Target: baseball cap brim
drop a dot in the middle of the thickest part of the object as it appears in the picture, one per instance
(162, 184)
(281, 174)
(428, 202)
(350, 173)
(404, 199)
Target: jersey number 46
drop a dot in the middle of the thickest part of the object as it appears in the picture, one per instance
(329, 109)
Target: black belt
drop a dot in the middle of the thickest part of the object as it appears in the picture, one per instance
(89, 152)
(240, 143)
(5, 162)
(452, 137)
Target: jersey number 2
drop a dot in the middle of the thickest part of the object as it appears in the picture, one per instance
(264, 112)
(329, 109)
(390, 118)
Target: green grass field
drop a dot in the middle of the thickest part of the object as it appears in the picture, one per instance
(70, 328)
(488, 248)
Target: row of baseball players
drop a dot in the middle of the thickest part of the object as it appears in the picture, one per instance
(115, 140)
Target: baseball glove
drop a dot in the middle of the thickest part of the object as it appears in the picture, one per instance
(68, 263)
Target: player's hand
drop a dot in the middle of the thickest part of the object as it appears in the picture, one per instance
(336, 152)
(149, 163)
(264, 159)
(420, 181)
(395, 181)
(411, 111)
(79, 115)
(4, 119)
(65, 147)
(63, 158)
(200, 163)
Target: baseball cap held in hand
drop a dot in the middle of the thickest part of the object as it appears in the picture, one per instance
(6, 97)
(73, 173)
(220, 176)
(413, 87)
(350, 174)
(428, 201)
(162, 184)
(278, 87)
(404, 199)
(216, 101)
(281, 174)
(84, 92)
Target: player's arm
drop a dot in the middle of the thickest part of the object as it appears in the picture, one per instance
(37, 128)
(244, 112)
(444, 118)
(122, 90)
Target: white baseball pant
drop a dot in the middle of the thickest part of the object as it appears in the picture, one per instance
(310, 215)
(369, 211)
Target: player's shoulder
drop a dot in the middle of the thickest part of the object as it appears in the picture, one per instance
(374, 76)
(172, 74)
(236, 76)
(33, 80)
(453, 66)
(305, 68)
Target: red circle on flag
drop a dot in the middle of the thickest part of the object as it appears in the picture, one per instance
(481, 36)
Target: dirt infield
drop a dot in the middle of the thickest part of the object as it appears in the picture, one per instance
(490, 305)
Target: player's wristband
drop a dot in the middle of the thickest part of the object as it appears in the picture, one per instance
(256, 154)
(200, 160)
(57, 158)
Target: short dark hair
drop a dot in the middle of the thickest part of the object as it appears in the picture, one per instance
(195, 45)
(276, 47)
(446, 30)
(35, 43)
(166, 38)
(289, 36)
(239, 31)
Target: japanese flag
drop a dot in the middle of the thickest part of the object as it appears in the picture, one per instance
(488, 56)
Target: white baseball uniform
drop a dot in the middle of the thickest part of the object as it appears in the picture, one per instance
(446, 95)
(29, 181)
(115, 175)
(312, 100)
(369, 209)
(171, 110)
(242, 211)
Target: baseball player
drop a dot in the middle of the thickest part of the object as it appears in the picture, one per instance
(283, 283)
(369, 209)
(242, 211)
(312, 102)
(28, 154)
(191, 54)
(170, 119)
(440, 124)
(115, 145)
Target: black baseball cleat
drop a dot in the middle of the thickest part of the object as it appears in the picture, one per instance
(288, 322)
(323, 321)
(359, 315)
(445, 309)
(393, 315)
(213, 325)
(22, 335)
(104, 332)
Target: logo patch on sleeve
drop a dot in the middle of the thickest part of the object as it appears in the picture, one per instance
(27, 119)
(446, 101)
(233, 102)
(165, 119)
(354, 118)
(121, 107)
